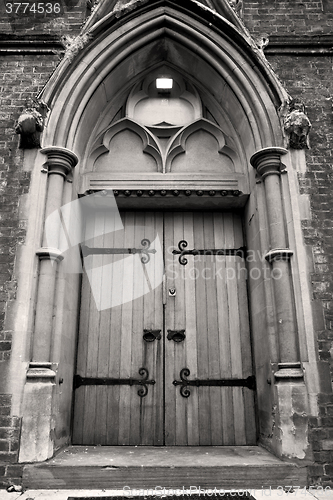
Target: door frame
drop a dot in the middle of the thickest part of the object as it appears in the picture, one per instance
(164, 298)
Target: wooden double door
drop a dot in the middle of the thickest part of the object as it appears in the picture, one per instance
(159, 331)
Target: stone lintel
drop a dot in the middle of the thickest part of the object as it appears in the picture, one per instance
(267, 161)
(60, 161)
(45, 253)
(279, 254)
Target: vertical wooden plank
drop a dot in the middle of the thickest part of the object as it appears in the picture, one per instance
(158, 359)
(191, 334)
(137, 342)
(79, 406)
(179, 348)
(170, 390)
(126, 368)
(104, 335)
(235, 341)
(90, 430)
(115, 340)
(152, 354)
(202, 333)
(245, 335)
(212, 330)
(227, 415)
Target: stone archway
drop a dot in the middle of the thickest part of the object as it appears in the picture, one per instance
(238, 86)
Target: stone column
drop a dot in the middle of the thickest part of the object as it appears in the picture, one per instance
(290, 434)
(60, 162)
(267, 162)
(38, 421)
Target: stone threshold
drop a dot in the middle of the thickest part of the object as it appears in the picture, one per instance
(108, 467)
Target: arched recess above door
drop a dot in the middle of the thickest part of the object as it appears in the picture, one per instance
(239, 92)
(167, 139)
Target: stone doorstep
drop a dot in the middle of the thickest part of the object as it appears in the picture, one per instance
(64, 494)
(113, 468)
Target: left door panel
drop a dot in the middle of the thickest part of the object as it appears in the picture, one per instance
(121, 299)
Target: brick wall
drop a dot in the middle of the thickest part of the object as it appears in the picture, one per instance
(276, 17)
(309, 77)
(21, 78)
(65, 16)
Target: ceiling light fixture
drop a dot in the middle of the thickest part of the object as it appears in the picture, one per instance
(164, 83)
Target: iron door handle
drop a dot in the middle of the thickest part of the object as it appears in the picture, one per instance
(151, 335)
(176, 335)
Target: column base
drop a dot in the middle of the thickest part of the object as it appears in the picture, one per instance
(292, 413)
(37, 423)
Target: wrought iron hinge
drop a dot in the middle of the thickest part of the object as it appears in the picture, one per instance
(249, 382)
(237, 252)
(145, 250)
(79, 381)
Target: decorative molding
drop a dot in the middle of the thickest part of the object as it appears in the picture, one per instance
(74, 44)
(299, 45)
(178, 145)
(175, 192)
(11, 43)
(279, 254)
(50, 253)
(40, 372)
(98, 181)
(289, 371)
(297, 126)
(150, 145)
(60, 161)
(237, 6)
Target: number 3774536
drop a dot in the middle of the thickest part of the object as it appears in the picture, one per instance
(28, 8)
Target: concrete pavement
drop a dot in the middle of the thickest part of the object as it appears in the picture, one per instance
(314, 493)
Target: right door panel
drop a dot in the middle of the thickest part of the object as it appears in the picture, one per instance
(210, 304)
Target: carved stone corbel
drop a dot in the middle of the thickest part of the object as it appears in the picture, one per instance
(297, 126)
(30, 124)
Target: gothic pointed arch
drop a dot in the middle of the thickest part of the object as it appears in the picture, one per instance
(232, 103)
(220, 60)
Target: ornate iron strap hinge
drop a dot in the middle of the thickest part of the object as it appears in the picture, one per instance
(79, 381)
(237, 252)
(249, 382)
(145, 250)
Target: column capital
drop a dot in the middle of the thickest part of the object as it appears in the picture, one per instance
(267, 161)
(45, 253)
(279, 254)
(60, 160)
